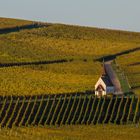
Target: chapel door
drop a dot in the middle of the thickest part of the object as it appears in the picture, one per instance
(100, 92)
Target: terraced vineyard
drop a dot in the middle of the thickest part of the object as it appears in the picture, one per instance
(68, 109)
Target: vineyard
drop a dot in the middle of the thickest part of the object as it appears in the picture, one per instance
(24, 57)
(39, 61)
(67, 109)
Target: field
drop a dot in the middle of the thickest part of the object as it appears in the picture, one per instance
(61, 41)
(79, 132)
(53, 78)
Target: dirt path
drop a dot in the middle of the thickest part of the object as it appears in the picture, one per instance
(113, 77)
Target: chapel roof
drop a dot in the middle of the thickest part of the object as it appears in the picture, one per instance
(106, 80)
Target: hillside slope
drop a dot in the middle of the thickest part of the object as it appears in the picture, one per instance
(82, 45)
